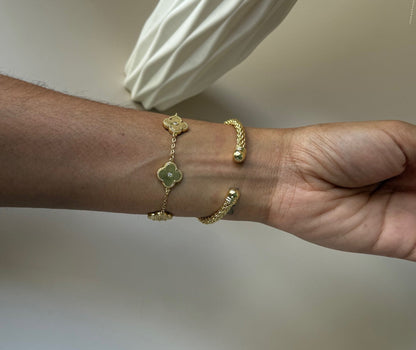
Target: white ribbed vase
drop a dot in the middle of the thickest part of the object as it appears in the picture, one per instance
(185, 45)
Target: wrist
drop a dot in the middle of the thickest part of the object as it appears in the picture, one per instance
(263, 173)
(205, 155)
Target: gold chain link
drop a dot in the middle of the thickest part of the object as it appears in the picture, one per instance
(172, 148)
(165, 199)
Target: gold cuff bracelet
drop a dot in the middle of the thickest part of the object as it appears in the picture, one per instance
(233, 194)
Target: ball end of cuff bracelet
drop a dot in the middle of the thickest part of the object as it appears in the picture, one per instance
(240, 154)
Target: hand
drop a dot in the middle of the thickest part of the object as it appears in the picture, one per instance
(350, 186)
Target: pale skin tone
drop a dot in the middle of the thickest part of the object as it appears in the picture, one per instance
(347, 186)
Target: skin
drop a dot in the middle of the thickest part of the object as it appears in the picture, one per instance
(347, 186)
(351, 186)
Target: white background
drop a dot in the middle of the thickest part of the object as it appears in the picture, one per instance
(90, 280)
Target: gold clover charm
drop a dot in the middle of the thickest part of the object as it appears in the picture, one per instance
(175, 125)
(169, 174)
(160, 215)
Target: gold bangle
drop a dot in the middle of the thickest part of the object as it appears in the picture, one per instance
(169, 174)
(233, 194)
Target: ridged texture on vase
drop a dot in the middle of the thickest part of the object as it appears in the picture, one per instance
(185, 45)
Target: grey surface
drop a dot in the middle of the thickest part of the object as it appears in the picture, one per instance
(89, 280)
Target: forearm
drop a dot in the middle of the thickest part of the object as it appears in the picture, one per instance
(347, 186)
(59, 151)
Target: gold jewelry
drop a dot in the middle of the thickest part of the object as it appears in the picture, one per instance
(240, 148)
(169, 174)
(233, 194)
(230, 201)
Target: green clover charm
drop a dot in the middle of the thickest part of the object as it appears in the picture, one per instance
(175, 125)
(169, 174)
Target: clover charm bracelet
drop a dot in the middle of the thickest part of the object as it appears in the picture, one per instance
(169, 174)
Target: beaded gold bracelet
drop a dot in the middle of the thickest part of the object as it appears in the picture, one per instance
(169, 174)
(233, 194)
